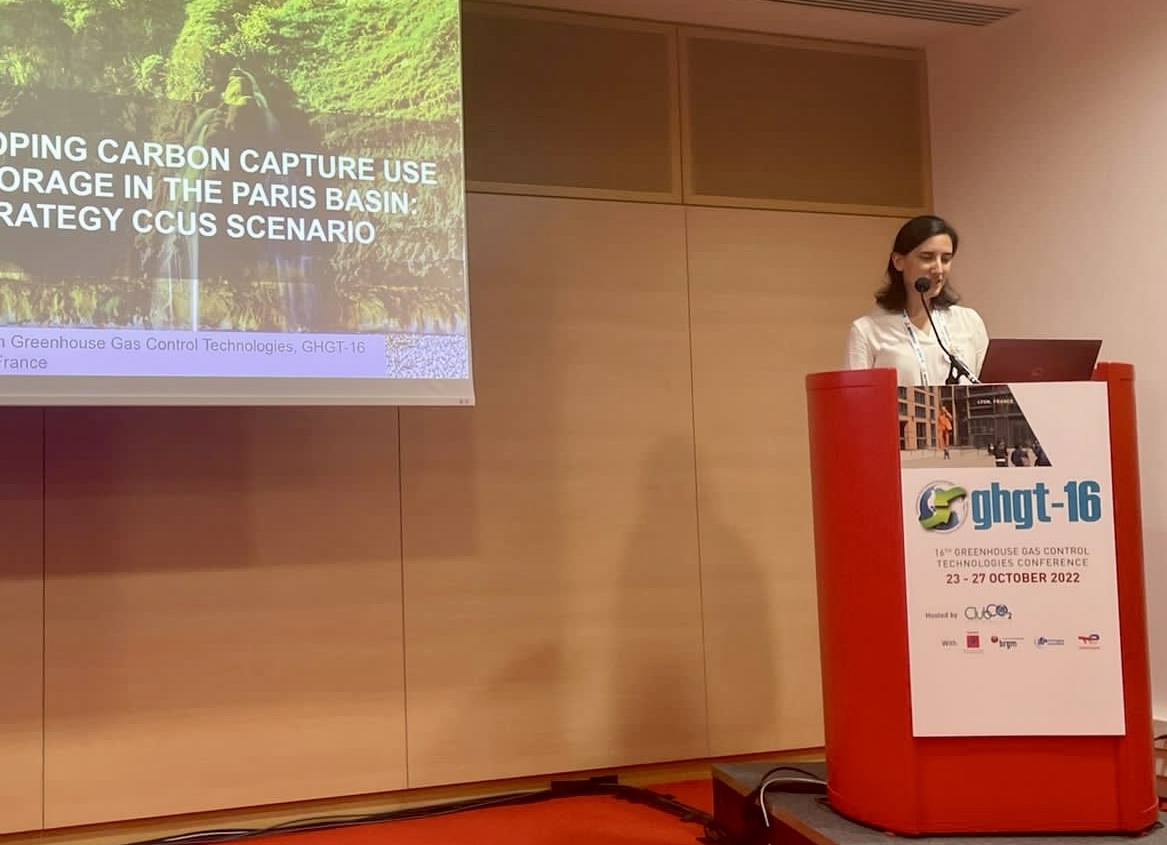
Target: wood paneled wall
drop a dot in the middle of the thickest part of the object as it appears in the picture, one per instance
(771, 297)
(561, 592)
(563, 104)
(606, 562)
(222, 609)
(22, 626)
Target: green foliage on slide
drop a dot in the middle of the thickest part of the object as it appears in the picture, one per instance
(376, 78)
(395, 60)
(384, 58)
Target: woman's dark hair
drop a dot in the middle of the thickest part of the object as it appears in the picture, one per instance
(893, 296)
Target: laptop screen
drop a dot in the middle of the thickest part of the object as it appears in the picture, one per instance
(1019, 360)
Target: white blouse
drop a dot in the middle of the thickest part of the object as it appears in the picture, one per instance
(887, 339)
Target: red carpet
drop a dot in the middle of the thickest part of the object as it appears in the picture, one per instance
(584, 820)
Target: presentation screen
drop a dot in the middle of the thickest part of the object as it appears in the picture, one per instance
(232, 202)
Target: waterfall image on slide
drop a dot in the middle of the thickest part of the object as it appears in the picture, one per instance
(242, 120)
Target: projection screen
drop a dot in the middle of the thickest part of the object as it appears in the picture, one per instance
(225, 202)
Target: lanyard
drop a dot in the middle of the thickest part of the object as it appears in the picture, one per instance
(941, 328)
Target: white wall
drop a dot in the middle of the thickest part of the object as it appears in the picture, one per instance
(1049, 139)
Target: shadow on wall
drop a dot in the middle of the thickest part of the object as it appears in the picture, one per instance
(741, 642)
(665, 663)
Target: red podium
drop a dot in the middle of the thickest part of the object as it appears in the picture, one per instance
(879, 773)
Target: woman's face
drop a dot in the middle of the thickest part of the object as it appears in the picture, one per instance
(932, 260)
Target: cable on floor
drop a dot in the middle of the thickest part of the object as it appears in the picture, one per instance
(609, 786)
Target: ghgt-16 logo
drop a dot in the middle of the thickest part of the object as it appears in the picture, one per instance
(942, 506)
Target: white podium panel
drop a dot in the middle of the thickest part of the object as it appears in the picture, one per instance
(1012, 594)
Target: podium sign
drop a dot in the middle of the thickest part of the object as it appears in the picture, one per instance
(1010, 566)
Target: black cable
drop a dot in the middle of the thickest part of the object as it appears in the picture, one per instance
(329, 822)
(602, 786)
(755, 794)
(805, 779)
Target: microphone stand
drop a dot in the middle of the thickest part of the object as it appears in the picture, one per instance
(956, 367)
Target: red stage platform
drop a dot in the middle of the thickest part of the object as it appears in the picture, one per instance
(807, 818)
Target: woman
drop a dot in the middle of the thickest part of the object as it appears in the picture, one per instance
(898, 334)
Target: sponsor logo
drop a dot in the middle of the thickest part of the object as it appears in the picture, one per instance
(1045, 642)
(1007, 643)
(989, 611)
(1089, 641)
(972, 641)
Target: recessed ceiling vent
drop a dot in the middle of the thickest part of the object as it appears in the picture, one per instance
(942, 11)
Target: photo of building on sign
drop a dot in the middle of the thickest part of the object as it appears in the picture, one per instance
(966, 426)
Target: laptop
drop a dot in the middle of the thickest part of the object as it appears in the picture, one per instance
(1019, 360)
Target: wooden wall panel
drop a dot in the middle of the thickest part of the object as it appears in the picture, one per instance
(772, 297)
(223, 609)
(542, 110)
(815, 126)
(21, 618)
(553, 616)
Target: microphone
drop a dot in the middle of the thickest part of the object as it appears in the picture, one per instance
(956, 367)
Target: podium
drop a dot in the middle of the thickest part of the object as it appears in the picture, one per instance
(883, 770)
